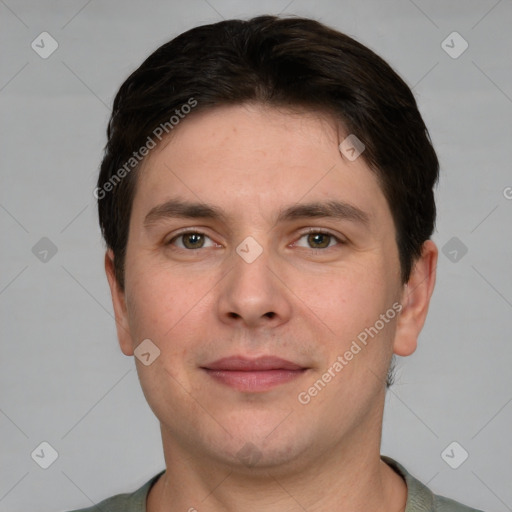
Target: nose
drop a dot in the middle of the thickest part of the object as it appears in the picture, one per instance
(253, 294)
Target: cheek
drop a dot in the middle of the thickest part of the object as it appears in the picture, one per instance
(149, 303)
(346, 300)
(162, 303)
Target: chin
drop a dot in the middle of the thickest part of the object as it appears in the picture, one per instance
(265, 446)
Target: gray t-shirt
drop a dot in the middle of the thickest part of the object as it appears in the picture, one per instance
(419, 497)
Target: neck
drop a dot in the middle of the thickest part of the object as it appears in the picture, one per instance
(351, 477)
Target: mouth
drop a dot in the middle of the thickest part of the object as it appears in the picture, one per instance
(253, 375)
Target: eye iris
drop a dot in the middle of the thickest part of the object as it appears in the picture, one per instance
(319, 240)
(190, 240)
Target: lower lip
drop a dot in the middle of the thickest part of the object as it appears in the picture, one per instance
(255, 381)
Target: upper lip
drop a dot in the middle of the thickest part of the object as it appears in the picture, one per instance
(244, 364)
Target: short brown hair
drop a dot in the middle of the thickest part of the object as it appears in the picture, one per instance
(290, 62)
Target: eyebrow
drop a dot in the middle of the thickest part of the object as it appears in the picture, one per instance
(176, 208)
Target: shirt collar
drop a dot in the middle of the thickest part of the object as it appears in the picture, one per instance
(419, 496)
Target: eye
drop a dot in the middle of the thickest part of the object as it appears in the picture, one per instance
(319, 240)
(191, 240)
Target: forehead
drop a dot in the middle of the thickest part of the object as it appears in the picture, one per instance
(249, 157)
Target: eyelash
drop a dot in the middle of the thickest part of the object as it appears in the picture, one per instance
(310, 231)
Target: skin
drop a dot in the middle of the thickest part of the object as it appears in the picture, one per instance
(304, 299)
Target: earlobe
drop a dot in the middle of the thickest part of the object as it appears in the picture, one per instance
(416, 296)
(119, 304)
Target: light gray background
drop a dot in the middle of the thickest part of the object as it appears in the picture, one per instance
(63, 378)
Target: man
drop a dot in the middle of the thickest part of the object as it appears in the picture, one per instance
(266, 197)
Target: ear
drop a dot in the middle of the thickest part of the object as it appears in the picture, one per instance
(415, 300)
(119, 303)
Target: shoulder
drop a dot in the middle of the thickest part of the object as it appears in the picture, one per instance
(420, 498)
(117, 503)
(127, 502)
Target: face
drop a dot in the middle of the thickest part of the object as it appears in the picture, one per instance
(263, 265)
